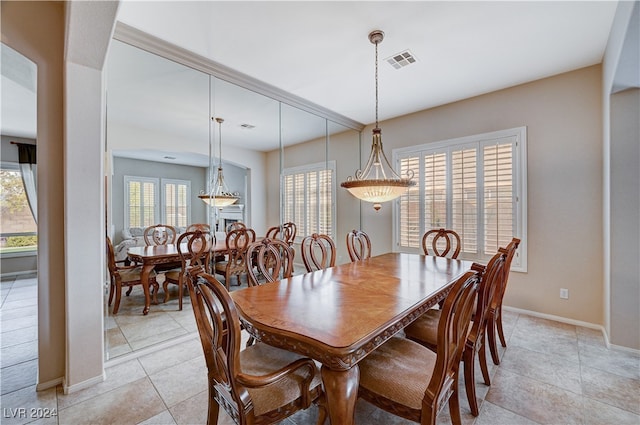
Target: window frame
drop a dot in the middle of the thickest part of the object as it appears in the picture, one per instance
(163, 201)
(479, 141)
(14, 166)
(304, 170)
(127, 207)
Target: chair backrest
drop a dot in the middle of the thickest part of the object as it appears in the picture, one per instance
(111, 258)
(195, 249)
(452, 334)
(203, 227)
(358, 245)
(289, 231)
(219, 328)
(238, 241)
(441, 243)
(273, 232)
(491, 280)
(318, 252)
(235, 226)
(160, 234)
(272, 258)
(509, 252)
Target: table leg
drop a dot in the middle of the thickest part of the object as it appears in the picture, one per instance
(341, 390)
(144, 279)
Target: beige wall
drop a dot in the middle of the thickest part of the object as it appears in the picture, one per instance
(36, 30)
(564, 128)
(564, 123)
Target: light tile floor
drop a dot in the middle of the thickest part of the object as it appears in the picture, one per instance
(551, 373)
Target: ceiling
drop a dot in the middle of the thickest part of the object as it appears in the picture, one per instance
(319, 51)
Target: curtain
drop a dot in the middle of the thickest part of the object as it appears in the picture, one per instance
(27, 161)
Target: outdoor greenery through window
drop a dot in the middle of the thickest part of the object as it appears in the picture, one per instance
(141, 201)
(475, 186)
(308, 198)
(19, 230)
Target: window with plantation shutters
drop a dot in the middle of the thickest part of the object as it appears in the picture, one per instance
(141, 201)
(474, 185)
(308, 194)
(176, 209)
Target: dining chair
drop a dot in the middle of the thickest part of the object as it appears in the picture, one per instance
(318, 252)
(194, 249)
(494, 315)
(203, 227)
(358, 245)
(424, 330)
(160, 234)
(125, 276)
(237, 242)
(236, 225)
(441, 243)
(258, 385)
(272, 261)
(289, 230)
(409, 380)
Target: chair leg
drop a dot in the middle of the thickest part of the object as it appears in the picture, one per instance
(454, 404)
(483, 361)
(468, 358)
(180, 293)
(491, 333)
(165, 288)
(111, 291)
(503, 341)
(214, 408)
(116, 303)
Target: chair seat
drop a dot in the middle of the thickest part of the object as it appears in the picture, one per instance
(132, 275)
(262, 359)
(399, 370)
(173, 275)
(425, 327)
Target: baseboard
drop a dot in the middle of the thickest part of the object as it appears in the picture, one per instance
(69, 389)
(15, 274)
(49, 384)
(559, 319)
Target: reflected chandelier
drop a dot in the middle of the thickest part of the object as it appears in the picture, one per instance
(220, 196)
(377, 182)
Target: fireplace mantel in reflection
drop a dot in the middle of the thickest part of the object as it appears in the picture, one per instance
(229, 214)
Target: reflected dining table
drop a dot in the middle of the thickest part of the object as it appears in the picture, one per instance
(151, 256)
(339, 315)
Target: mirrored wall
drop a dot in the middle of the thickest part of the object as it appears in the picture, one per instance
(285, 161)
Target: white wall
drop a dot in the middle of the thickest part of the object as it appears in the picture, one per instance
(621, 323)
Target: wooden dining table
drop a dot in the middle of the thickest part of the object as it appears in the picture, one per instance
(153, 255)
(339, 315)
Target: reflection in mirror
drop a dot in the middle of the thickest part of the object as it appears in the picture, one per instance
(343, 148)
(306, 182)
(157, 141)
(162, 147)
(251, 125)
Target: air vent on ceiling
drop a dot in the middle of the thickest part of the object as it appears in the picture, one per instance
(400, 60)
(247, 126)
(169, 157)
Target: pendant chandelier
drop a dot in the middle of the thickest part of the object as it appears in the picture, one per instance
(377, 182)
(220, 196)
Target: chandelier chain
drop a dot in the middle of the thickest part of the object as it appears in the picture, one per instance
(376, 83)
